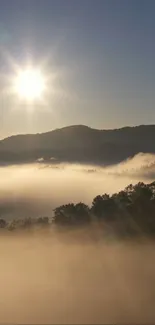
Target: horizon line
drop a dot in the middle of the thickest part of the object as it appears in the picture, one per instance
(77, 125)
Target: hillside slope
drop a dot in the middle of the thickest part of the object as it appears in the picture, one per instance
(79, 144)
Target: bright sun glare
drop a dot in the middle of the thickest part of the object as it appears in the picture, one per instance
(30, 84)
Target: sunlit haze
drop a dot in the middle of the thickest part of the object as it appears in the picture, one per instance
(101, 51)
(29, 84)
(77, 162)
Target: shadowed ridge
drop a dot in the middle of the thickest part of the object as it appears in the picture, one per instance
(79, 143)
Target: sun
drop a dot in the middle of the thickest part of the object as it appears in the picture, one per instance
(29, 84)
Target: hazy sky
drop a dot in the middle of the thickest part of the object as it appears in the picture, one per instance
(101, 53)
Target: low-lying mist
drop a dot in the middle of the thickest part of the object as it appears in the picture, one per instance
(36, 189)
(71, 278)
(80, 276)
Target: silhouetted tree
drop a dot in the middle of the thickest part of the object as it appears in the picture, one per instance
(27, 223)
(72, 214)
(12, 225)
(43, 221)
(121, 199)
(104, 207)
(3, 223)
(64, 214)
(129, 212)
(82, 214)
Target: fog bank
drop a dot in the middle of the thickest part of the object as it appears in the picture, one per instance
(53, 279)
(35, 190)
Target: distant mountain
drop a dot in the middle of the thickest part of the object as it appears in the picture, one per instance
(80, 144)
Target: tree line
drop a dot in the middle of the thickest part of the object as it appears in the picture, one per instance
(130, 211)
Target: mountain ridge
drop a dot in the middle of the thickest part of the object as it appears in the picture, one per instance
(79, 143)
(80, 126)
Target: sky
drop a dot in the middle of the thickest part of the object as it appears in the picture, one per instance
(99, 55)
